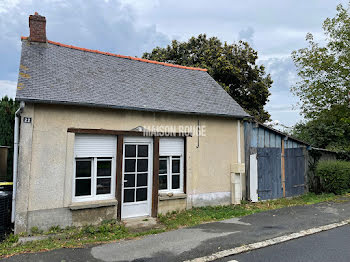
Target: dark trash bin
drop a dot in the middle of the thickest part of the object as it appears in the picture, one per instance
(5, 186)
(5, 213)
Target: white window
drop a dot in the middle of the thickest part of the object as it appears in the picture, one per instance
(94, 166)
(171, 165)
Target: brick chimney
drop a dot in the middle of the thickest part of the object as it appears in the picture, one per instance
(37, 28)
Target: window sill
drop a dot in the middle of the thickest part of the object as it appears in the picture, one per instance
(93, 204)
(164, 196)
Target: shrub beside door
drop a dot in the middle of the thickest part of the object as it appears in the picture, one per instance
(334, 176)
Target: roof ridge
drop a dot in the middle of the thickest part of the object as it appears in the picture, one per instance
(122, 56)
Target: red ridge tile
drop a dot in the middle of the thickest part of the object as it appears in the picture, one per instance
(122, 56)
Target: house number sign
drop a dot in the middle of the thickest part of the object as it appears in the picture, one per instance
(27, 120)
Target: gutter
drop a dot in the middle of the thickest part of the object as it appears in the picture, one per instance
(15, 158)
(142, 109)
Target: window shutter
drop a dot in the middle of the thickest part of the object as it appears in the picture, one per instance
(171, 146)
(95, 146)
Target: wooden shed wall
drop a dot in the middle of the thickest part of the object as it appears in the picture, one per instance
(261, 137)
(257, 136)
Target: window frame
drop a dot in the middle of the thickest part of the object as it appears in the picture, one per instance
(169, 174)
(94, 196)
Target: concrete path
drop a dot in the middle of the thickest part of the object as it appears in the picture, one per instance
(202, 240)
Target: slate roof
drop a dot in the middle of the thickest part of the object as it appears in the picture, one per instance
(56, 73)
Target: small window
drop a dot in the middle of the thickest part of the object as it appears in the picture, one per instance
(171, 174)
(94, 167)
(163, 173)
(83, 177)
(130, 150)
(104, 177)
(93, 178)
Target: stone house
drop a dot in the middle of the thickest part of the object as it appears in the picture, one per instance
(105, 136)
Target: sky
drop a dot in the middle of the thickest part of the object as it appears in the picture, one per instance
(274, 28)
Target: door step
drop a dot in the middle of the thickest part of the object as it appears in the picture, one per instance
(139, 224)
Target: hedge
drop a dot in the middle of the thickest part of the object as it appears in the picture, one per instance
(334, 176)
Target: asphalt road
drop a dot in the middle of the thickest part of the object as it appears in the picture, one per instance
(206, 239)
(332, 245)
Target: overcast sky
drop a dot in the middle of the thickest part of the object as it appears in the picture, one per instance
(273, 27)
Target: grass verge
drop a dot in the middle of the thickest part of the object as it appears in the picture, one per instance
(197, 216)
(113, 230)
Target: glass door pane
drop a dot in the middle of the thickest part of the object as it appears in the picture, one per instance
(136, 172)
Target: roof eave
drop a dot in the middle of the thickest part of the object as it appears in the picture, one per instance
(281, 133)
(39, 101)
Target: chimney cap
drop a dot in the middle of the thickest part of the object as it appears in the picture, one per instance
(36, 16)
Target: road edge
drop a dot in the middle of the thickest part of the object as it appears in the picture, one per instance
(268, 242)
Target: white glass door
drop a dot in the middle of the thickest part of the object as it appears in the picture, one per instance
(137, 177)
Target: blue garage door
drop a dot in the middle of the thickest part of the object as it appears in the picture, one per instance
(295, 171)
(269, 173)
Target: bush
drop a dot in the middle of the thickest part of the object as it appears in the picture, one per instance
(344, 155)
(36, 231)
(8, 108)
(11, 238)
(334, 176)
(54, 230)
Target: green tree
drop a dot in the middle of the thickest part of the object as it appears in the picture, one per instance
(8, 108)
(233, 66)
(325, 70)
(330, 130)
(324, 87)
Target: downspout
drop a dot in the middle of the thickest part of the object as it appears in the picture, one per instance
(239, 141)
(236, 185)
(198, 129)
(239, 175)
(15, 158)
